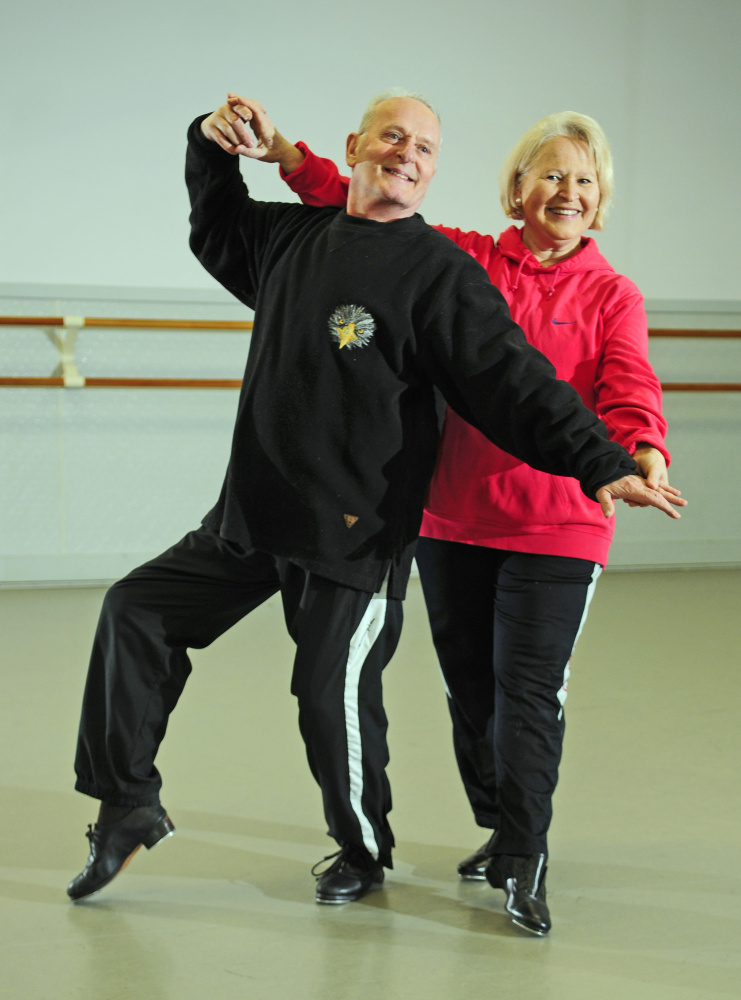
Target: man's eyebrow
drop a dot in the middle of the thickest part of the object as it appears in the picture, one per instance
(390, 126)
(405, 130)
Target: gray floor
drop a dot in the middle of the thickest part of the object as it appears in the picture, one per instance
(644, 882)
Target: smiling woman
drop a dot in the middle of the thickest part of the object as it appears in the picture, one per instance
(562, 124)
(559, 196)
(558, 178)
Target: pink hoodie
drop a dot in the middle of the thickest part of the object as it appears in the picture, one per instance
(590, 323)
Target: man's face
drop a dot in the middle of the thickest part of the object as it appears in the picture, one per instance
(393, 162)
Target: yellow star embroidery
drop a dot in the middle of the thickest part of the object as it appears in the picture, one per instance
(347, 334)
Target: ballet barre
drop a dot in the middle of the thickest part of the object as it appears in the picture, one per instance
(63, 331)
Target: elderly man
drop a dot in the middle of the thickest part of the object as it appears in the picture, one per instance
(359, 317)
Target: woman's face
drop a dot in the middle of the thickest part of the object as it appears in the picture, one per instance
(560, 196)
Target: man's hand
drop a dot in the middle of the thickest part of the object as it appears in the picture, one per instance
(638, 493)
(241, 127)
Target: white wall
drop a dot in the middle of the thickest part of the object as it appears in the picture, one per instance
(95, 103)
(96, 99)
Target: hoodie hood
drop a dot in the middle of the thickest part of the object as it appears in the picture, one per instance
(521, 260)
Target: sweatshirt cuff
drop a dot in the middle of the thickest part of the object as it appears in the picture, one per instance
(198, 139)
(317, 181)
(651, 440)
(625, 466)
(630, 439)
(300, 170)
(302, 178)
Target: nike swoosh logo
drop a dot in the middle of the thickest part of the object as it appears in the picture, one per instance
(563, 322)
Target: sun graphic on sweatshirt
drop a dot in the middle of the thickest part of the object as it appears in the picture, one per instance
(351, 326)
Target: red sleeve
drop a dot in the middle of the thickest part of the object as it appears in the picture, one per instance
(317, 181)
(627, 389)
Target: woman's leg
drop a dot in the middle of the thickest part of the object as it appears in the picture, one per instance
(541, 605)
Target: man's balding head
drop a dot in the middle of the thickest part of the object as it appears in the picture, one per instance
(393, 157)
(387, 95)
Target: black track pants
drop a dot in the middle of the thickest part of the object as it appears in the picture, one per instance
(189, 596)
(504, 626)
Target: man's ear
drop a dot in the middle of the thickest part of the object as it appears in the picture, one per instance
(351, 149)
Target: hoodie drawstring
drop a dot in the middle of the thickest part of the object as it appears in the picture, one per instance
(515, 286)
(552, 274)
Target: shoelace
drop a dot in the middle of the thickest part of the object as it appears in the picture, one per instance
(341, 856)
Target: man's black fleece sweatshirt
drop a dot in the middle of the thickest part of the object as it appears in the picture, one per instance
(356, 323)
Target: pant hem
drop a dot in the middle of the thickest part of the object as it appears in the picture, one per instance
(114, 798)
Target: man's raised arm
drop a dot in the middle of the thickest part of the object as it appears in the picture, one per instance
(229, 230)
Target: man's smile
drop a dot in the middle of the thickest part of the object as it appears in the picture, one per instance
(398, 173)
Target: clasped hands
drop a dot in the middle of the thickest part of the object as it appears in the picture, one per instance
(653, 490)
(241, 127)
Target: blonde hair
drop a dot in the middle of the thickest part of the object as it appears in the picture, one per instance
(569, 125)
(387, 95)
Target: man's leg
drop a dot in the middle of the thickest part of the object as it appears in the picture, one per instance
(459, 584)
(344, 640)
(188, 596)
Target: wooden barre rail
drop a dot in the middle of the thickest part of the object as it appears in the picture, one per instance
(100, 322)
(62, 331)
(701, 386)
(122, 383)
(58, 381)
(696, 334)
(69, 377)
(8, 381)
